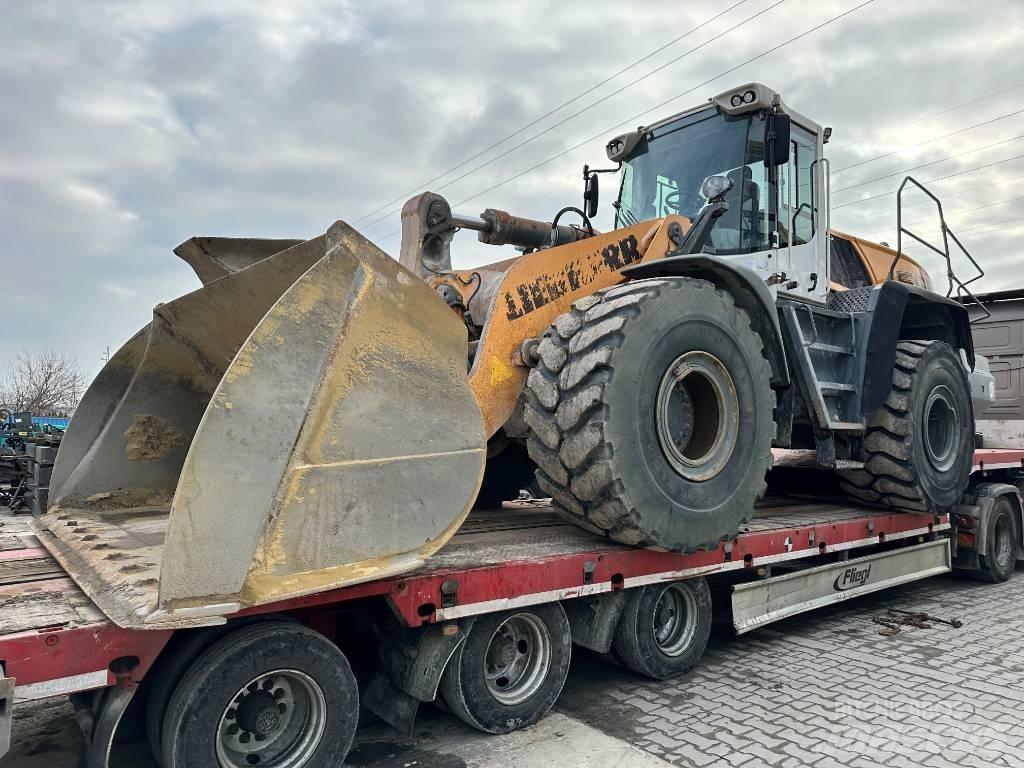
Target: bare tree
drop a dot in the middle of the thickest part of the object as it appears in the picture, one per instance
(41, 381)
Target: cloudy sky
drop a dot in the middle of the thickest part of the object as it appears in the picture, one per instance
(129, 126)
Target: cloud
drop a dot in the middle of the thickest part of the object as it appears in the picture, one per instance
(130, 126)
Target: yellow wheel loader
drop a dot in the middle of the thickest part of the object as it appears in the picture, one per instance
(319, 414)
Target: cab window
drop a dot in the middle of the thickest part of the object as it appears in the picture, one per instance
(798, 192)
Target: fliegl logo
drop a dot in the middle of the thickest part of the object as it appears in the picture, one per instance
(852, 577)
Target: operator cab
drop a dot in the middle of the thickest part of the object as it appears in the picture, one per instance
(771, 220)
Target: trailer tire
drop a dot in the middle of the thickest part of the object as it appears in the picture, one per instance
(173, 662)
(664, 628)
(1001, 539)
(510, 669)
(275, 679)
(651, 414)
(180, 652)
(919, 444)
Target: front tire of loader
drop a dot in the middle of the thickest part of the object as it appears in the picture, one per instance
(919, 445)
(272, 693)
(651, 414)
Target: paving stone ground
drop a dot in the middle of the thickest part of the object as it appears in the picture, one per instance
(823, 689)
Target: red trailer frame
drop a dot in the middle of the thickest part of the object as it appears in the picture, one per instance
(54, 641)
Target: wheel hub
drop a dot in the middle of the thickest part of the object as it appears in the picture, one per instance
(942, 426)
(697, 415)
(258, 713)
(517, 659)
(1004, 543)
(276, 719)
(675, 619)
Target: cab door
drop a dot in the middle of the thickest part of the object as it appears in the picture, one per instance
(802, 219)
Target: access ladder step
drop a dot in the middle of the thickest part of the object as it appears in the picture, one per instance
(835, 349)
(846, 426)
(835, 387)
(848, 464)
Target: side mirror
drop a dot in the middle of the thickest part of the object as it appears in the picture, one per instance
(591, 195)
(776, 140)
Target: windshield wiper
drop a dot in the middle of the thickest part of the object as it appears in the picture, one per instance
(626, 213)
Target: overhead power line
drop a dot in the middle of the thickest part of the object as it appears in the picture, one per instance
(930, 181)
(988, 226)
(926, 201)
(981, 229)
(662, 104)
(668, 101)
(916, 120)
(550, 112)
(948, 216)
(579, 112)
(928, 141)
(925, 165)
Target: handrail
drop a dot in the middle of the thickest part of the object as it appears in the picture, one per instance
(963, 293)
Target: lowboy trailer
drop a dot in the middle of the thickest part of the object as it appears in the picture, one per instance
(486, 625)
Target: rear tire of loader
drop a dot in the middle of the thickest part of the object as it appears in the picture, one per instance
(269, 693)
(651, 414)
(510, 669)
(664, 628)
(919, 444)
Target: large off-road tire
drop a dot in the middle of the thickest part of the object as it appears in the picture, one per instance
(919, 444)
(651, 414)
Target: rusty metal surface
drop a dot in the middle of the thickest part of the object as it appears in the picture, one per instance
(301, 424)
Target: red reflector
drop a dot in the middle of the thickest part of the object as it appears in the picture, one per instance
(964, 522)
(965, 540)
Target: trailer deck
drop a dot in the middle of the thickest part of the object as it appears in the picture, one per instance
(795, 553)
(54, 640)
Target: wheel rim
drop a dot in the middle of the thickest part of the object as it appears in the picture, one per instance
(1004, 542)
(517, 659)
(942, 427)
(697, 415)
(276, 719)
(675, 619)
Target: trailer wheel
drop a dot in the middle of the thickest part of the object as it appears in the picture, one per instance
(664, 628)
(273, 693)
(651, 414)
(175, 659)
(1000, 557)
(510, 669)
(920, 443)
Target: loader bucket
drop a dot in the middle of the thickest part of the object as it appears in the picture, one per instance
(299, 424)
